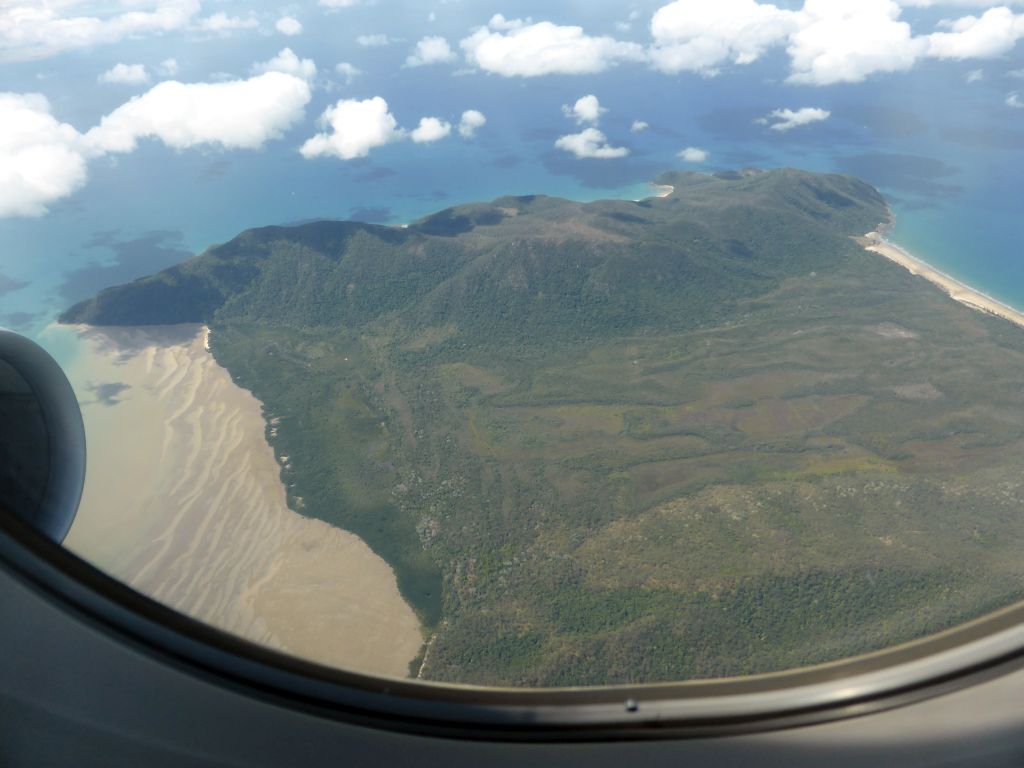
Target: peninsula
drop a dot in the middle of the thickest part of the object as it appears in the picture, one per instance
(695, 435)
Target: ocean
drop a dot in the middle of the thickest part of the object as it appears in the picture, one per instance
(948, 154)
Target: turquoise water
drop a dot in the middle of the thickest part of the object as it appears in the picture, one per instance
(949, 156)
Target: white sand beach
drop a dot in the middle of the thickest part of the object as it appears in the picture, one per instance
(875, 242)
(184, 502)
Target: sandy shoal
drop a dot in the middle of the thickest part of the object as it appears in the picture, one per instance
(183, 501)
(873, 241)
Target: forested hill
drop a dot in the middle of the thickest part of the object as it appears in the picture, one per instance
(691, 436)
(520, 265)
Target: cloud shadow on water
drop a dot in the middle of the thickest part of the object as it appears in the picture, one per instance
(133, 258)
(371, 215)
(601, 174)
(375, 174)
(914, 174)
(20, 321)
(10, 285)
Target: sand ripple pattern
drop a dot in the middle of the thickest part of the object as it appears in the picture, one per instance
(184, 502)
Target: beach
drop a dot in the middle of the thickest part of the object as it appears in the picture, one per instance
(184, 502)
(875, 242)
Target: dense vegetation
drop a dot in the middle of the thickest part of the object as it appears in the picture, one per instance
(698, 435)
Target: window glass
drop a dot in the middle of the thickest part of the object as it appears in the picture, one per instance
(573, 345)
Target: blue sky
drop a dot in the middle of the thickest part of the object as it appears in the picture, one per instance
(133, 133)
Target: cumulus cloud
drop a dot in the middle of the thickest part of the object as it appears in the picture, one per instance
(220, 23)
(498, 21)
(515, 48)
(289, 26)
(430, 50)
(472, 120)
(125, 74)
(975, 76)
(848, 40)
(965, 3)
(30, 29)
(167, 68)
(693, 155)
(289, 63)
(353, 128)
(638, 126)
(430, 129)
(1014, 100)
(349, 71)
(828, 41)
(698, 37)
(587, 109)
(238, 114)
(787, 119)
(625, 26)
(41, 159)
(992, 34)
(373, 41)
(590, 143)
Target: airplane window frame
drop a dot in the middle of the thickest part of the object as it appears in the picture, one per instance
(971, 653)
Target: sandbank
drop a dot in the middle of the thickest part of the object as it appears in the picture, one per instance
(184, 502)
(875, 242)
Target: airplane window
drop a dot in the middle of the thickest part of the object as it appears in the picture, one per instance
(564, 347)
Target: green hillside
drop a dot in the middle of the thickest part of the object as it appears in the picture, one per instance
(699, 435)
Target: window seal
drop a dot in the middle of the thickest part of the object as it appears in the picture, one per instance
(979, 650)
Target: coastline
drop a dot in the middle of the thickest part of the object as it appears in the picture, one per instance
(203, 524)
(955, 289)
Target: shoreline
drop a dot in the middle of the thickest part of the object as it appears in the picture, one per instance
(957, 290)
(203, 526)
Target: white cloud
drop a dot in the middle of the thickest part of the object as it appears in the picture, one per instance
(693, 155)
(518, 49)
(500, 22)
(338, 3)
(430, 50)
(590, 143)
(222, 24)
(993, 34)
(167, 68)
(638, 126)
(349, 71)
(964, 3)
(373, 41)
(41, 159)
(290, 64)
(625, 26)
(975, 76)
(472, 120)
(239, 114)
(1016, 74)
(353, 128)
(430, 129)
(849, 40)
(699, 36)
(828, 41)
(289, 26)
(845, 41)
(30, 29)
(787, 119)
(587, 109)
(1014, 100)
(125, 74)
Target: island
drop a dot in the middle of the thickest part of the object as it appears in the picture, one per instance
(696, 435)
